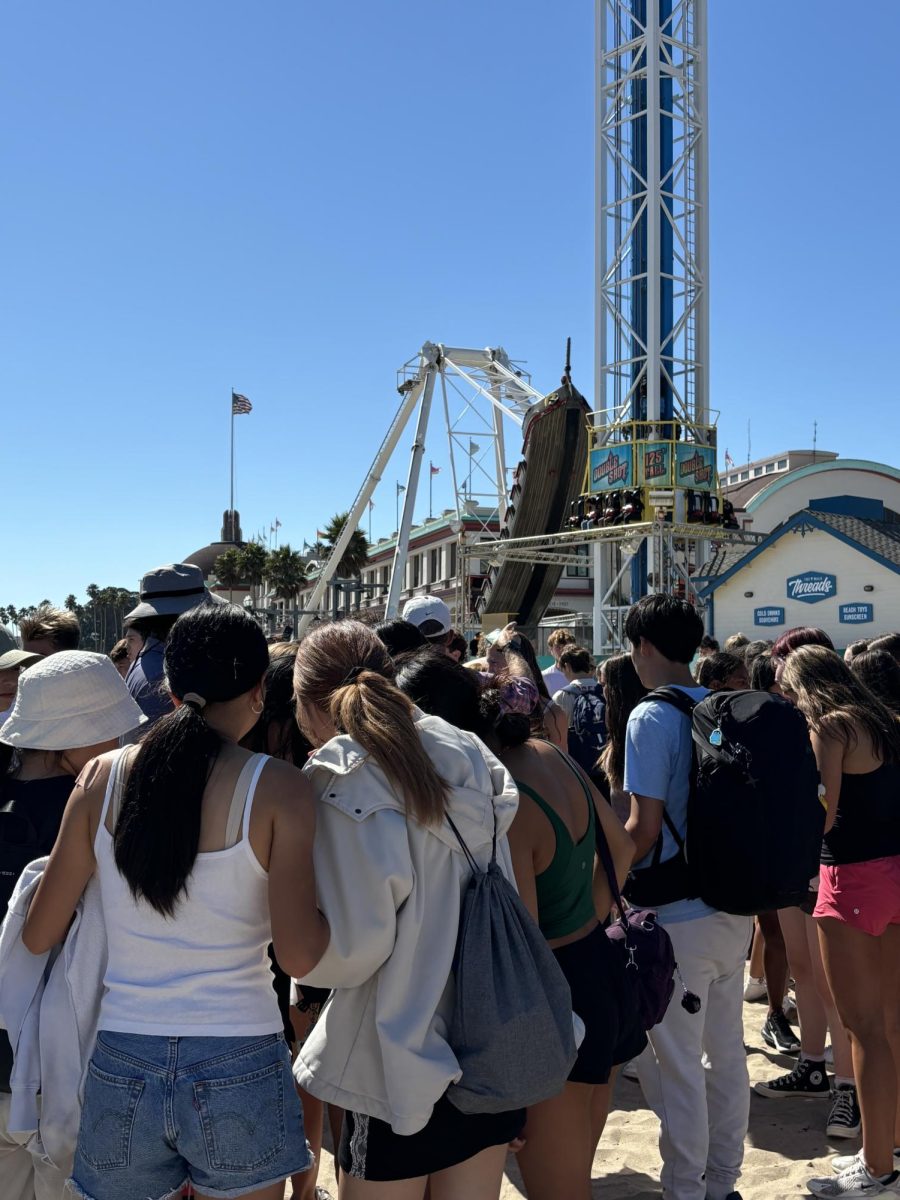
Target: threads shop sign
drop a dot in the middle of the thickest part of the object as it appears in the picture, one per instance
(811, 587)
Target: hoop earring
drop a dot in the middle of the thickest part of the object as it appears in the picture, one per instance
(257, 711)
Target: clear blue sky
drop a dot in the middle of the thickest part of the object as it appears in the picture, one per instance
(290, 198)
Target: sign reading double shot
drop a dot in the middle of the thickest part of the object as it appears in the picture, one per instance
(811, 587)
(695, 467)
(612, 467)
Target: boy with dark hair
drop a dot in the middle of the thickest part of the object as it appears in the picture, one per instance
(723, 672)
(703, 1111)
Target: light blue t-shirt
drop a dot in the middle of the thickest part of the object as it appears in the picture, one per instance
(658, 753)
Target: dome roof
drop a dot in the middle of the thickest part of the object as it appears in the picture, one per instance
(205, 557)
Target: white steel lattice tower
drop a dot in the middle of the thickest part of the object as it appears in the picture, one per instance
(652, 232)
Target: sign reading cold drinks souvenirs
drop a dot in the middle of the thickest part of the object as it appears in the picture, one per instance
(612, 467)
(656, 464)
(695, 467)
(856, 614)
(811, 587)
(768, 616)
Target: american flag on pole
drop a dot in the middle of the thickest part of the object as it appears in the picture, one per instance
(435, 470)
(729, 461)
(240, 404)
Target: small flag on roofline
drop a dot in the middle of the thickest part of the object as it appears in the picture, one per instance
(240, 404)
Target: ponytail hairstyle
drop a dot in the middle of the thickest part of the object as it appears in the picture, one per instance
(215, 653)
(344, 670)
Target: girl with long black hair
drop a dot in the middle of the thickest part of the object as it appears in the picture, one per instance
(203, 852)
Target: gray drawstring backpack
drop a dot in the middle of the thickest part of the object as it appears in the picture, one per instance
(512, 1030)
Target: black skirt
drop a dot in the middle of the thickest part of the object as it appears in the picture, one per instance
(602, 997)
(370, 1149)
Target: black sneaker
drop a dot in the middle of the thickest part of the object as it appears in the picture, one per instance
(807, 1080)
(844, 1119)
(778, 1034)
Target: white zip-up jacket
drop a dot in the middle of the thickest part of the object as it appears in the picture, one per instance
(51, 1017)
(391, 890)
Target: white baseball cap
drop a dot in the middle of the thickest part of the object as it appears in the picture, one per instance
(428, 611)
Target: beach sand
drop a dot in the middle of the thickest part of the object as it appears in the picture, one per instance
(786, 1143)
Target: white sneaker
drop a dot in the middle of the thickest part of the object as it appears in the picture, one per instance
(854, 1183)
(842, 1161)
(755, 989)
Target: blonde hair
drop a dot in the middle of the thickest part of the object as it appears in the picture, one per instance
(54, 625)
(344, 670)
(837, 704)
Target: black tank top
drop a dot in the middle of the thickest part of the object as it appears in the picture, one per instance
(867, 825)
(31, 812)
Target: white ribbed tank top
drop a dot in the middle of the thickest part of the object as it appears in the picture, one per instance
(204, 972)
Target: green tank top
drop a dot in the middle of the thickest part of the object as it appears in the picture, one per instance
(565, 896)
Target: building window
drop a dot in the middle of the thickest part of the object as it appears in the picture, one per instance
(578, 572)
(744, 475)
(733, 479)
(415, 570)
(451, 570)
(770, 467)
(385, 577)
(434, 569)
(782, 464)
(757, 471)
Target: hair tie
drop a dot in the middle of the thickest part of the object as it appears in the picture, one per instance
(518, 696)
(193, 698)
(353, 675)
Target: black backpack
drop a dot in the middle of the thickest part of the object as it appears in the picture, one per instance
(587, 725)
(755, 821)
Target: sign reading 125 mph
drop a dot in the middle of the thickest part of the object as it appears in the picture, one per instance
(856, 614)
(811, 587)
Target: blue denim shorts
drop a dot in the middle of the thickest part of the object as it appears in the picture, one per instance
(221, 1112)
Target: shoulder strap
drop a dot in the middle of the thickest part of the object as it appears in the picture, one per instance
(576, 771)
(674, 696)
(239, 797)
(547, 809)
(465, 849)
(115, 789)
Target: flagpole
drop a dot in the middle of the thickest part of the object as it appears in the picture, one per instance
(430, 490)
(231, 502)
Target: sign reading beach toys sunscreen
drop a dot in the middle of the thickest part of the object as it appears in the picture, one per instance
(695, 467)
(811, 587)
(768, 616)
(656, 464)
(856, 614)
(612, 467)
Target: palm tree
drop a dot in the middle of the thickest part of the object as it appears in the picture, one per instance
(254, 557)
(93, 594)
(71, 602)
(356, 553)
(285, 571)
(229, 570)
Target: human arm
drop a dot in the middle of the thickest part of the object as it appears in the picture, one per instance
(71, 863)
(300, 932)
(650, 751)
(644, 824)
(829, 752)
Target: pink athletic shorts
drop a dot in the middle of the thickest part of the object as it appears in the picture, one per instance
(865, 895)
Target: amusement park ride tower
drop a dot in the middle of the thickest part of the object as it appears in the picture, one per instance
(647, 497)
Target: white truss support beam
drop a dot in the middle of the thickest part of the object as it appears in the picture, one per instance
(401, 551)
(359, 507)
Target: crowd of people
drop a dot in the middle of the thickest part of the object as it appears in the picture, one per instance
(237, 875)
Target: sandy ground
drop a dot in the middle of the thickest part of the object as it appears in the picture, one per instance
(786, 1143)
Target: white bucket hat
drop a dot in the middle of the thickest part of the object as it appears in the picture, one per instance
(68, 700)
